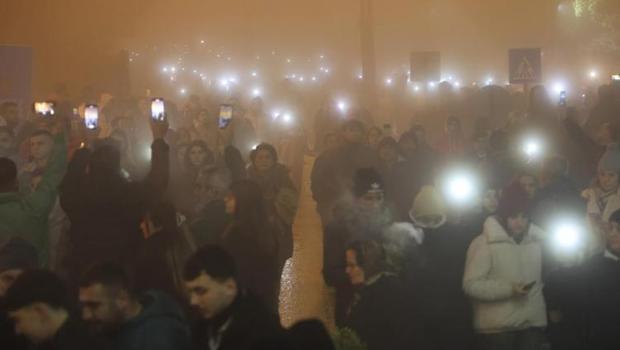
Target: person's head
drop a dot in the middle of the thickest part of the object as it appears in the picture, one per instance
(429, 209)
(408, 144)
(453, 126)
(210, 276)
(612, 233)
(244, 201)
(539, 99)
(529, 183)
(106, 297)
(388, 150)
(368, 188)
(38, 303)
(608, 133)
(6, 141)
(553, 168)
(41, 145)
(16, 256)
(513, 210)
(353, 132)
(8, 175)
(490, 200)
(365, 259)
(609, 168)
(419, 132)
(10, 112)
(331, 141)
(374, 136)
(105, 160)
(198, 155)
(264, 157)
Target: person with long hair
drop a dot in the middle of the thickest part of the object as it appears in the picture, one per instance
(252, 241)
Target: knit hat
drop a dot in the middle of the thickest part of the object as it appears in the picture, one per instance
(367, 180)
(514, 200)
(610, 161)
(18, 254)
(428, 202)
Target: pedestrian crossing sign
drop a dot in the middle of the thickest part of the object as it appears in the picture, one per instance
(525, 66)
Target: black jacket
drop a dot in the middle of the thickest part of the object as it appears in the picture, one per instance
(246, 324)
(106, 217)
(73, 336)
(381, 315)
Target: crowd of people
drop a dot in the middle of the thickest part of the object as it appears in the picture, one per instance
(117, 238)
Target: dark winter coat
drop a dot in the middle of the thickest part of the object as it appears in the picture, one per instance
(106, 218)
(73, 336)
(246, 325)
(160, 326)
(381, 315)
(255, 252)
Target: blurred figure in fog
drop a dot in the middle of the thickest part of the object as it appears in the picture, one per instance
(280, 194)
(252, 240)
(374, 136)
(197, 159)
(7, 144)
(452, 144)
(333, 177)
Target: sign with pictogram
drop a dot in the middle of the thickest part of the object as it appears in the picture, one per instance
(525, 66)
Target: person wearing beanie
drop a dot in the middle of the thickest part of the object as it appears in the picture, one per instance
(503, 276)
(362, 217)
(16, 255)
(429, 209)
(603, 197)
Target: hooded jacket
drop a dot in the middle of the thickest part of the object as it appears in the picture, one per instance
(26, 216)
(495, 262)
(160, 326)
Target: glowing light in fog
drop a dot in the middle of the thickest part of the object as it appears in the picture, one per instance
(388, 81)
(342, 106)
(558, 87)
(593, 74)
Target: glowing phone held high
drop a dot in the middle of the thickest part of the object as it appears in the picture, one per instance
(91, 117)
(226, 115)
(563, 99)
(158, 109)
(44, 109)
(615, 79)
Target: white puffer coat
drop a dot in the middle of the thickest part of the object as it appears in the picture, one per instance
(495, 262)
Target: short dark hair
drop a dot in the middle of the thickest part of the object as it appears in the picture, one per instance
(108, 274)
(370, 256)
(212, 260)
(8, 173)
(41, 132)
(38, 286)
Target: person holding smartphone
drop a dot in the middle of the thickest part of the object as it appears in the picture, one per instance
(503, 274)
(105, 209)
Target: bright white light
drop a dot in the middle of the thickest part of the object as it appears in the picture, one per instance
(360, 76)
(457, 84)
(287, 118)
(322, 57)
(256, 92)
(301, 79)
(593, 74)
(416, 88)
(313, 78)
(275, 115)
(173, 69)
(165, 69)
(183, 91)
(558, 87)
(532, 147)
(202, 41)
(432, 84)
(288, 60)
(566, 236)
(294, 76)
(460, 187)
(254, 74)
(489, 81)
(388, 81)
(342, 106)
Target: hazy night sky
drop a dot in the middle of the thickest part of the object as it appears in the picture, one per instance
(70, 35)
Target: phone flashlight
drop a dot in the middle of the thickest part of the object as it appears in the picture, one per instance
(158, 109)
(44, 109)
(91, 117)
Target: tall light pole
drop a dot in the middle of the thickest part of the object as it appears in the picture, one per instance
(369, 65)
